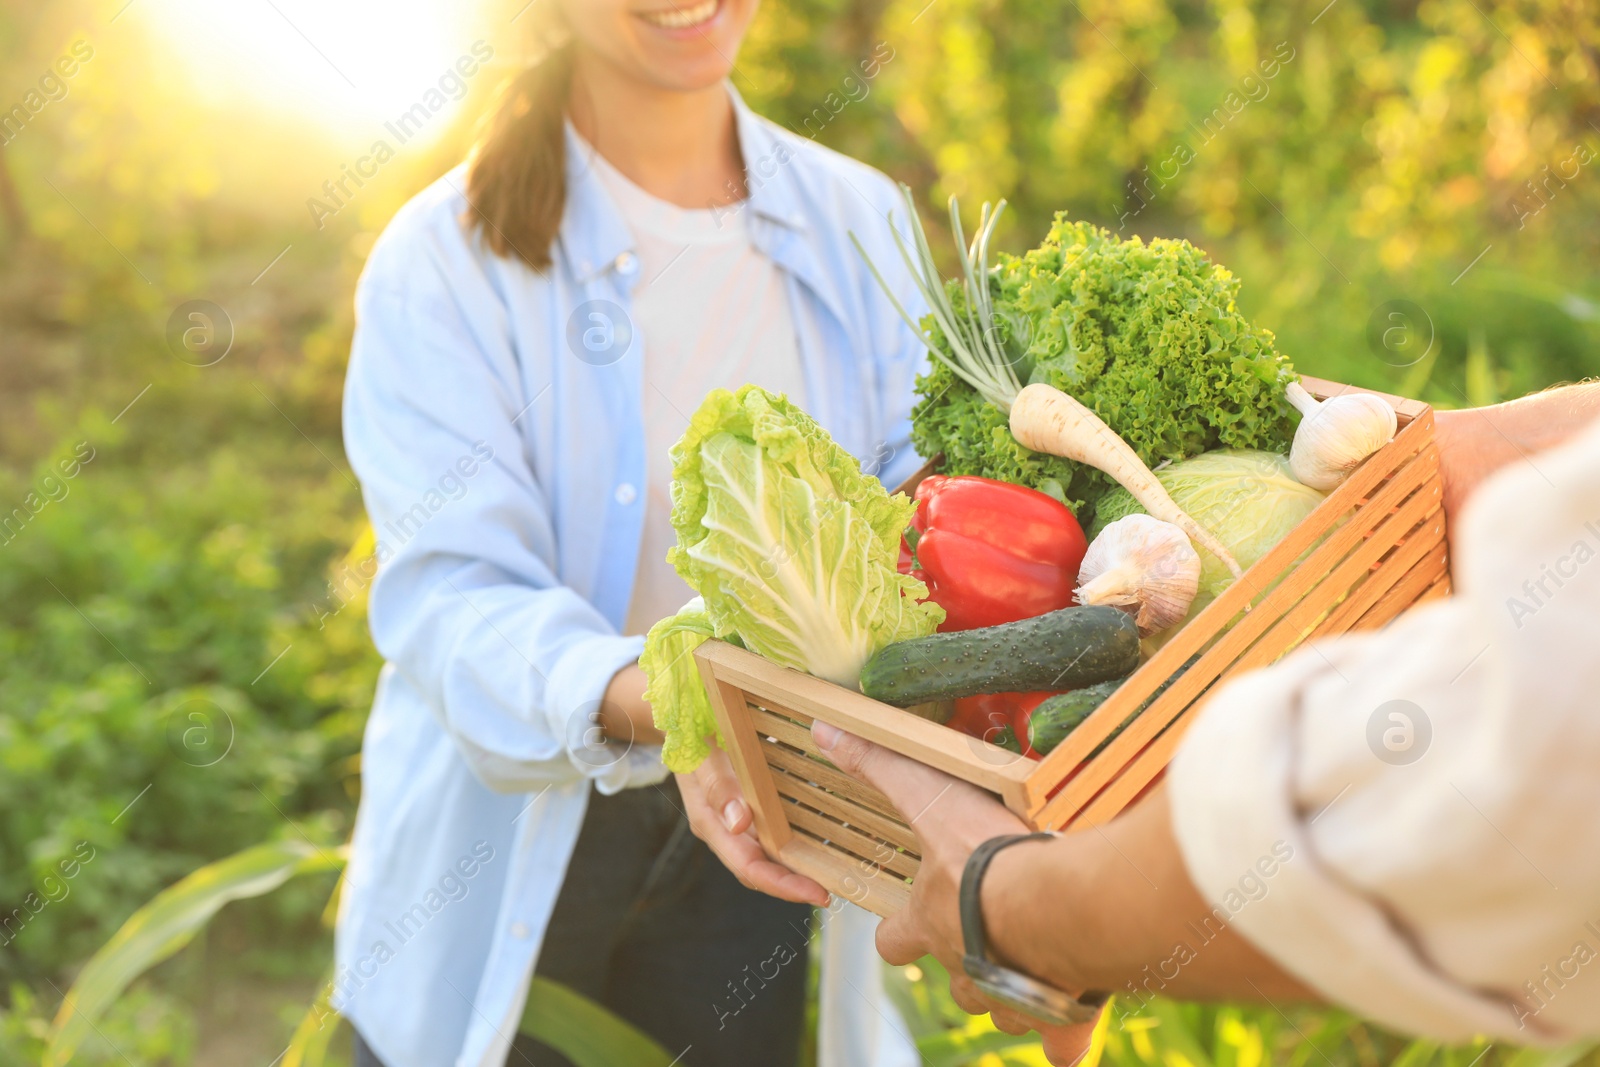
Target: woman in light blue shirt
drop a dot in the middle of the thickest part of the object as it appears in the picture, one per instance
(515, 815)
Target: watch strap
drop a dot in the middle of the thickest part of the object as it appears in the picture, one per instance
(1020, 991)
(974, 937)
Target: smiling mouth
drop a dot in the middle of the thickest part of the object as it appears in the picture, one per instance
(683, 16)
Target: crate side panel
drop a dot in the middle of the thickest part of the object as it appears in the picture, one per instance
(828, 777)
(743, 748)
(1410, 589)
(1150, 763)
(1292, 597)
(812, 795)
(1385, 476)
(842, 875)
(848, 839)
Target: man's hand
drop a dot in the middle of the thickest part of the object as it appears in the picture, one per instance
(1476, 443)
(719, 816)
(966, 817)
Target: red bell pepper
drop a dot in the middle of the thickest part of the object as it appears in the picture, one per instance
(985, 715)
(991, 552)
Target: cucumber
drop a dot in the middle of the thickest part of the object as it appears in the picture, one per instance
(1058, 716)
(1065, 649)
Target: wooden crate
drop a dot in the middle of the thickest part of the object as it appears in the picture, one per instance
(1373, 548)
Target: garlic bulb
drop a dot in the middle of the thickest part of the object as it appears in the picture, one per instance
(1144, 566)
(1336, 434)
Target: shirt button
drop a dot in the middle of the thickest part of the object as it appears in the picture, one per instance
(627, 263)
(519, 930)
(626, 494)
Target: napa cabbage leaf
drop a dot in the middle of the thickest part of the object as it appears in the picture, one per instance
(792, 549)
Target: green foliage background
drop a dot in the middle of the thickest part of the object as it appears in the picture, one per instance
(1402, 152)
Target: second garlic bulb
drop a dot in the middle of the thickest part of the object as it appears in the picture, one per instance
(1144, 566)
(1336, 434)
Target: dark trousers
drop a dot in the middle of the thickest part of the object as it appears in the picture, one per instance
(650, 924)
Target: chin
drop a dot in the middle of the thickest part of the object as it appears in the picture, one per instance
(687, 44)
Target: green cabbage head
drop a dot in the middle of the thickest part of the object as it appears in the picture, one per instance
(1248, 499)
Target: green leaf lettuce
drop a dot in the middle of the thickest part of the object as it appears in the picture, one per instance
(1148, 336)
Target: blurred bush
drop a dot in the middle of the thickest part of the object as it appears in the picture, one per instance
(1337, 156)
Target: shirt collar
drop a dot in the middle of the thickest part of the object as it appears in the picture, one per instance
(769, 180)
(593, 232)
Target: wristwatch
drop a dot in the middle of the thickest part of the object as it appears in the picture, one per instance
(999, 982)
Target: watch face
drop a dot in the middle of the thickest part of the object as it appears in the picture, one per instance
(1032, 998)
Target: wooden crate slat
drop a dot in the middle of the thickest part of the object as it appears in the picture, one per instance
(1282, 599)
(1405, 410)
(1346, 615)
(851, 840)
(1150, 765)
(841, 874)
(893, 831)
(1440, 588)
(1409, 588)
(788, 731)
(828, 777)
(743, 748)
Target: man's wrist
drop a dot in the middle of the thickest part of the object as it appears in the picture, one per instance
(1025, 895)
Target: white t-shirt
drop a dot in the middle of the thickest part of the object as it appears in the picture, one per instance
(710, 310)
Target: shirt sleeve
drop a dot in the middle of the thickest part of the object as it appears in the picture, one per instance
(1406, 820)
(467, 604)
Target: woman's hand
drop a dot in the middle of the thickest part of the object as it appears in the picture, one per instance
(719, 816)
(717, 812)
(965, 817)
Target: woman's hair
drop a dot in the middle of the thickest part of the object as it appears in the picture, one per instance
(516, 175)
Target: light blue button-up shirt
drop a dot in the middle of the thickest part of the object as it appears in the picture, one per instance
(500, 449)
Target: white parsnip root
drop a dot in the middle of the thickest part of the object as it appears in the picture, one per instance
(1047, 420)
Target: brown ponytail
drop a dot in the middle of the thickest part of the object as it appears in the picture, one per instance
(516, 176)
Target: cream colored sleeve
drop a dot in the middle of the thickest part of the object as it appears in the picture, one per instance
(1409, 821)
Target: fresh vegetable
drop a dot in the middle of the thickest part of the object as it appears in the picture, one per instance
(1058, 716)
(1045, 419)
(1144, 566)
(991, 552)
(1249, 498)
(1147, 336)
(673, 689)
(791, 548)
(1060, 650)
(1337, 434)
(1041, 416)
(994, 717)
